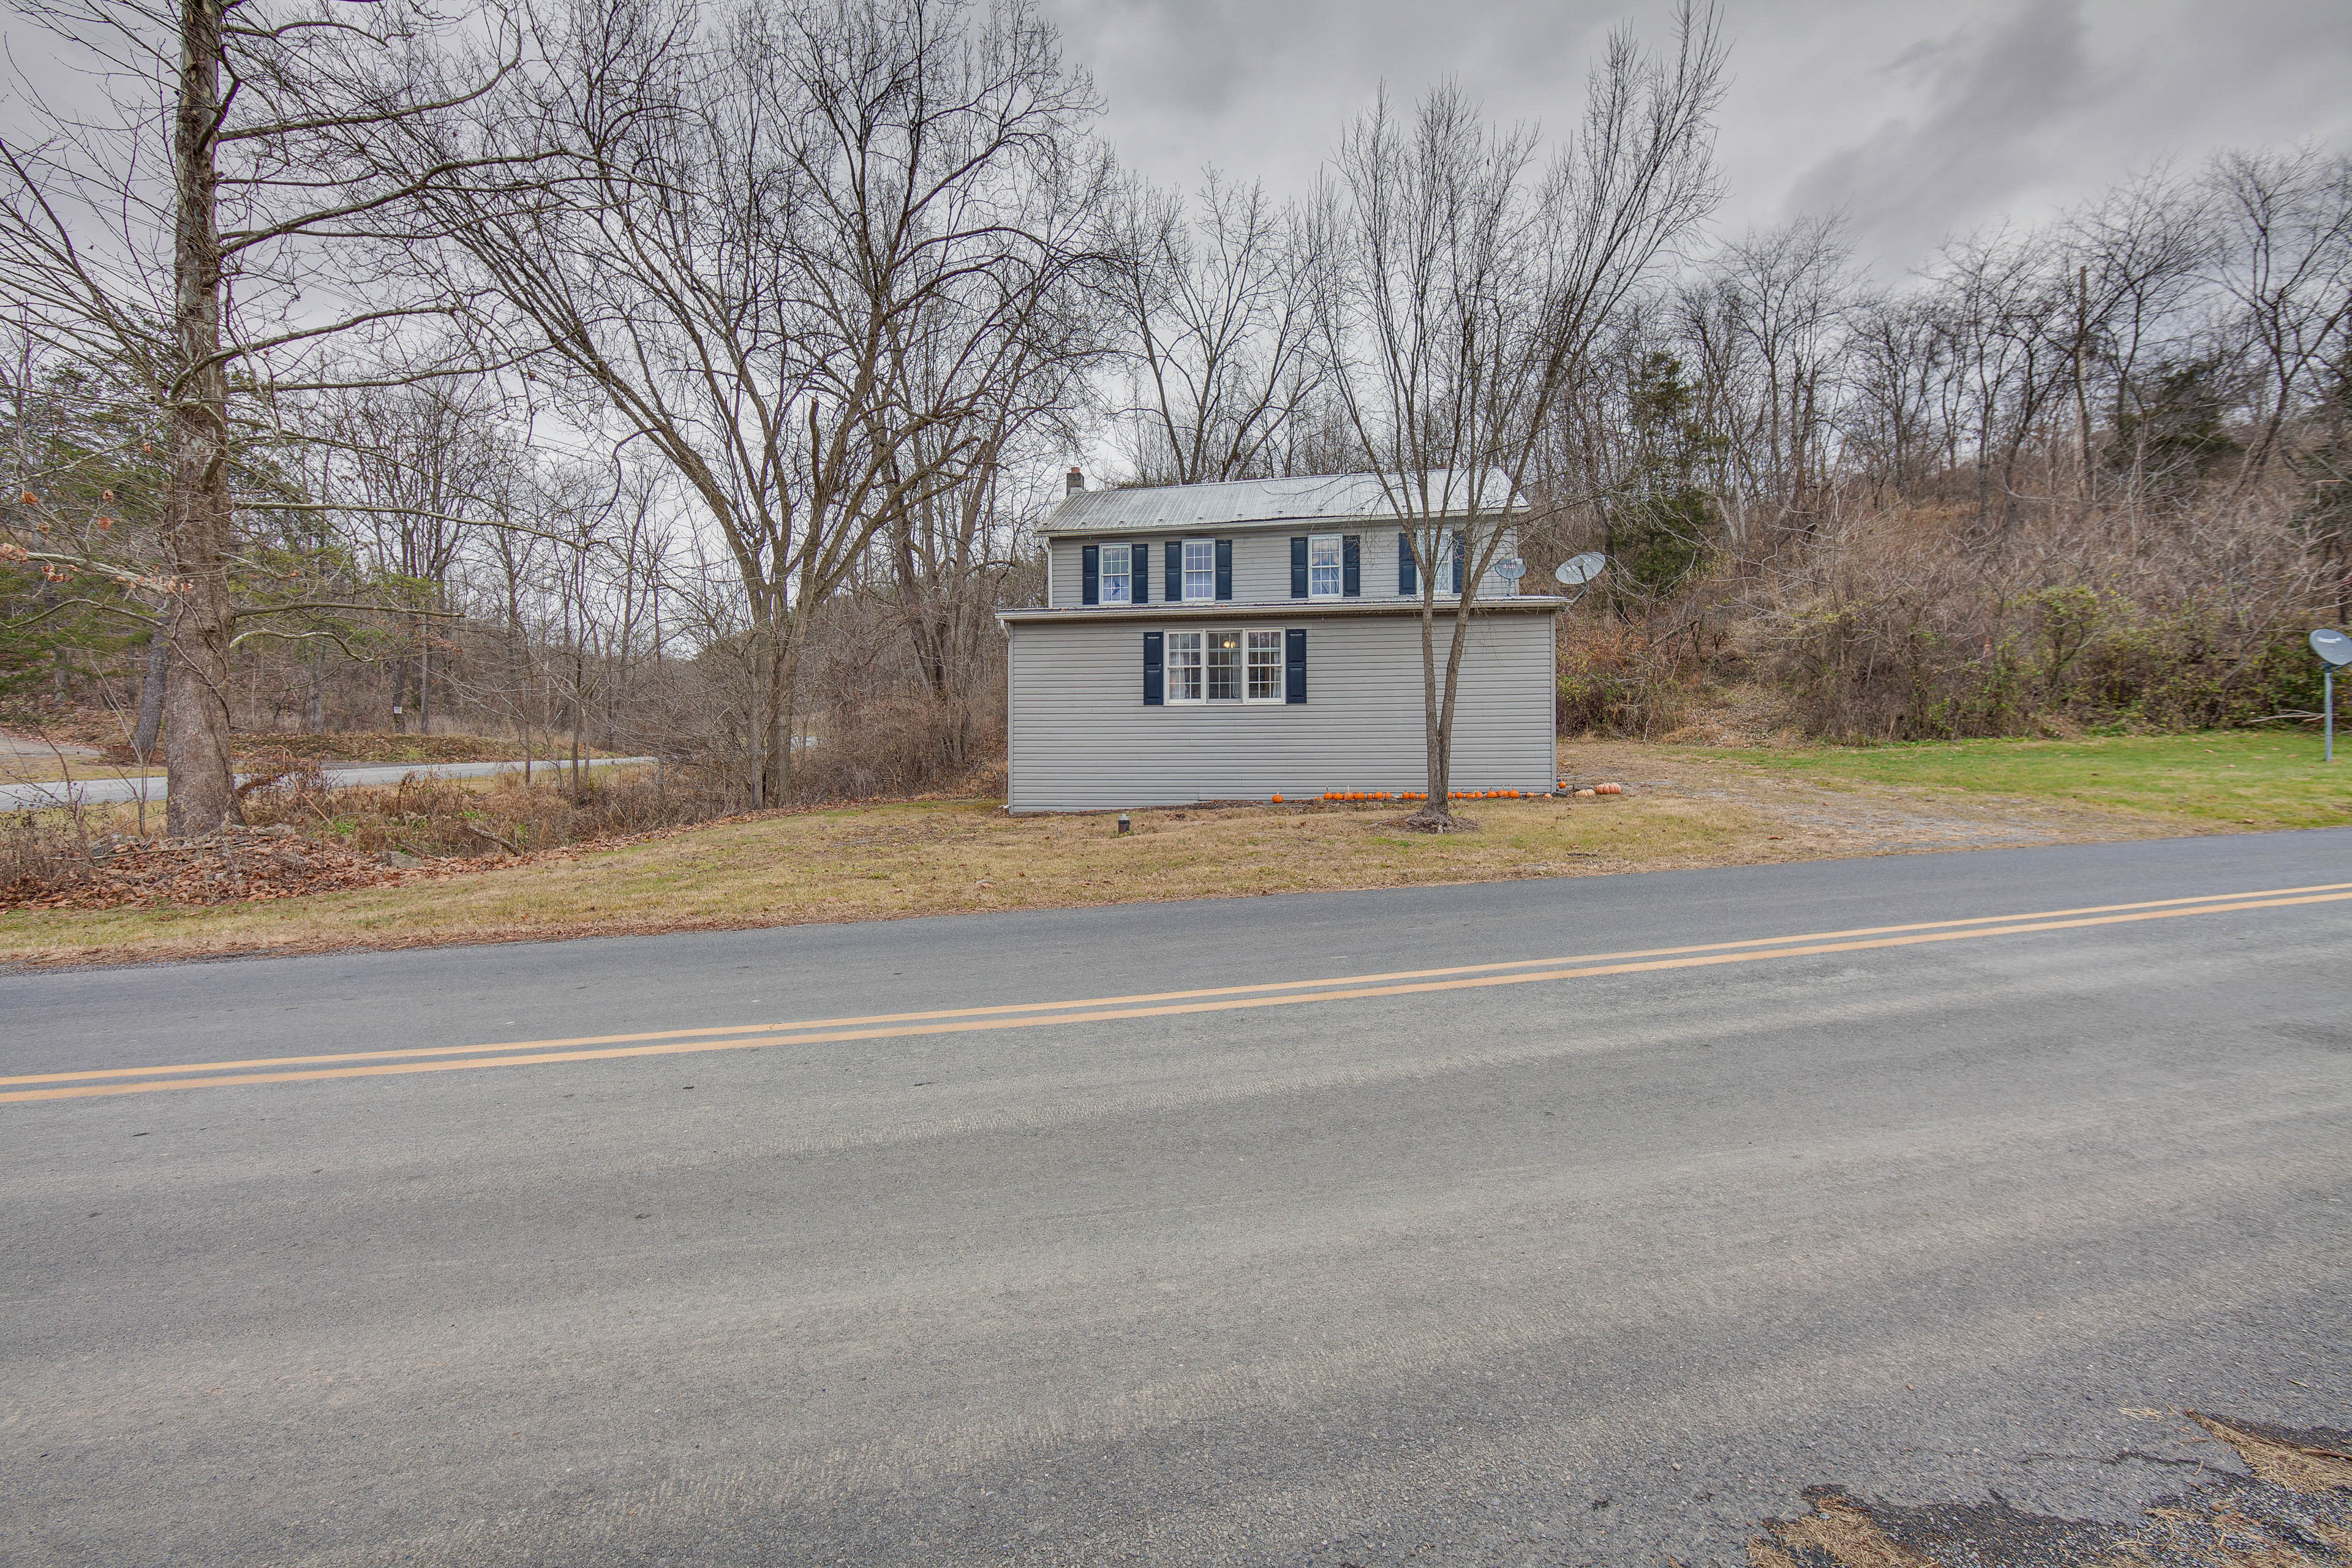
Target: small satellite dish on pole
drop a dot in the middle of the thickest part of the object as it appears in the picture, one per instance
(1580, 569)
(1510, 571)
(2335, 650)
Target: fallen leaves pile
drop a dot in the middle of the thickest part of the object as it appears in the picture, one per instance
(237, 865)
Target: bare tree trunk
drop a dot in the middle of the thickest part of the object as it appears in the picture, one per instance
(197, 510)
(151, 696)
(2083, 384)
(776, 766)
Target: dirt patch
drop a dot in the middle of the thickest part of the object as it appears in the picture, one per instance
(1819, 820)
(2294, 1511)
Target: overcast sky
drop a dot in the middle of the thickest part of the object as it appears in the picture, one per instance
(1920, 117)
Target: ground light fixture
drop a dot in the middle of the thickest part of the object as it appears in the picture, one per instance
(2334, 648)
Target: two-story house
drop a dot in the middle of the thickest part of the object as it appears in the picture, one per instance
(1242, 640)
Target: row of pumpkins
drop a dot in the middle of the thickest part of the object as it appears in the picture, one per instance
(1457, 795)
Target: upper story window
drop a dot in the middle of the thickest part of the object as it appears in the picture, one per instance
(1325, 575)
(1116, 574)
(1200, 569)
(1449, 573)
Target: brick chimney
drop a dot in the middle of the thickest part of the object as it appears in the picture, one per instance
(1074, 483)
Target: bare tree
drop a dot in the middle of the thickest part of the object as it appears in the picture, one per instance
(1463, 289)
(763, 212)
(2287, 265)
(210, 239)
(1773, 317)
(1216, 309)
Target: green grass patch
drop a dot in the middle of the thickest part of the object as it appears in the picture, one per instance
(2248, 777)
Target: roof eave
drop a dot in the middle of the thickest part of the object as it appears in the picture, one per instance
(1272, 609)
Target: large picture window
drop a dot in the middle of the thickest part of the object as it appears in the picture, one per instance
(1116, 576)
(1184, 666)
(1324, 578)
(1232, 666)
(1200, 569)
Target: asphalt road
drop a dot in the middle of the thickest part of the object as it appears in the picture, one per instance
(1565, 1263)
(105, 791)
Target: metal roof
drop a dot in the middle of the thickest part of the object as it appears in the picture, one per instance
(1315, 498)
(1276, 610)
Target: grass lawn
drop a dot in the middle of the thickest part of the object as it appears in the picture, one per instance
(1688, 807)
(881, 861)
(2224, 777)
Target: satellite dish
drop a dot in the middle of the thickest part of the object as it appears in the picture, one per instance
(2332, 646)
(1510, 571)
(1582, 568)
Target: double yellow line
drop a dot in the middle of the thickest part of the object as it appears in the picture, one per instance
(1106, 1009)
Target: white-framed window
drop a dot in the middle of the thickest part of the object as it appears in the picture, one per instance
(1200, 569)
(1224, 665)
(1445, 561)
(1183, 664)
(1113, 577)
(1264, 666)
(1325, 574)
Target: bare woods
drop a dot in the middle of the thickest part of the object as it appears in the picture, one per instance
(2093, 471)
(685, 377)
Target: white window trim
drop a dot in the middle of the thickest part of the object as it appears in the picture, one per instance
(1281, 665)
(1167, 668)
(1102, 574)
(1338, 542)
(1185, 572)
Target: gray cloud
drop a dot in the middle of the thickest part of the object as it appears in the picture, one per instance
(1991, 98)
(1918, 118)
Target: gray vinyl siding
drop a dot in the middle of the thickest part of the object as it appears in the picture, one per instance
(1261, 563)
(1082, 740)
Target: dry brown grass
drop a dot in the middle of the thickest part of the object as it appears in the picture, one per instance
(35, 768)
(1844, 1533)
(2292, 1514)
(2294, 1465)
(887, 861)
(880, 862)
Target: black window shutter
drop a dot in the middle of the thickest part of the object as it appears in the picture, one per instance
(1461, 548)
(1298, 567)
(1352, 566)
(1175, 571)
(1224, 569)
(1154, 677)
(1090, 575)
(1407, 580)
(1138, 574)
(1294, 664)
